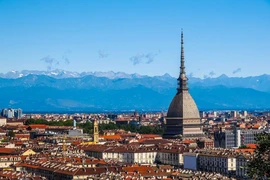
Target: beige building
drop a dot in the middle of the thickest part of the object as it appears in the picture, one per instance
(3, 121)
(171, 155)
(220, 162)
(121, 154)
(6, 161)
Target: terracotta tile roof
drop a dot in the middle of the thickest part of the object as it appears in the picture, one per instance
(6, 150)
(59, 127)
(242, 126)
(137, 168)
(18, 143)
(22, 135)
(149, 135)
(74, 143)
(13, 175)
(111, 137)
(252, 146)
(245, 150)
(155, 141)
(187, 141)
(38, 126)
(255, 126)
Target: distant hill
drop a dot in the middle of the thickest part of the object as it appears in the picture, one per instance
(91, 92)
(260, 83)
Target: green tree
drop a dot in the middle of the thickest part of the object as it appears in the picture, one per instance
(87, 127)
(36, 121)
(5, 140)
(11, 134)
(68, 123)
(146, 130)
(259, 166)
(50, 123)
(243, 147)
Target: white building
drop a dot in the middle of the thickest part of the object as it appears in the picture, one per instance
(245, 113)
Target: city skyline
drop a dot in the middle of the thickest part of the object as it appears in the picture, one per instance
(139, 37)
(134, 89)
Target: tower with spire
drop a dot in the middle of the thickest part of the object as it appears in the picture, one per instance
(183, 118)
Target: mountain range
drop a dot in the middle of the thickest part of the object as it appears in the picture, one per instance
(60, 90)
(58, 74)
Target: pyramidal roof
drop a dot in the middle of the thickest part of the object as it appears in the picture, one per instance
(183, 105)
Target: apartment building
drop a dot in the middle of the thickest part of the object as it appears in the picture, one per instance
(235, 138)
(223, 162)
(241, 165)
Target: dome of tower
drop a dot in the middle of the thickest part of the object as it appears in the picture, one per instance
(183, 106)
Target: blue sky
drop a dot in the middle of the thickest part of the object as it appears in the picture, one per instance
(222, 36)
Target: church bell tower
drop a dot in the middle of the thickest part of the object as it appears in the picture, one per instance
(95, 132)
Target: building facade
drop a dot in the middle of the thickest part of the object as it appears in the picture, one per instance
(170, 155)
(235, 138)
(12, 113)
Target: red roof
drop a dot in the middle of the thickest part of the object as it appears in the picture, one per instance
(149, 135)
(256, 126)
(22, 135)
(6, 150)
(245, 150)
(187, 141)
(137, 168)
(111, 137)
(38, 126)
(252, 146)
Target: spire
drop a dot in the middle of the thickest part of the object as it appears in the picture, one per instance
(182, 70)
(182, 79)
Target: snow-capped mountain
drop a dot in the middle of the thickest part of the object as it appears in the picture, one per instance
(260, 83)
(59, 89)
(58, 73)
(55, 73)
